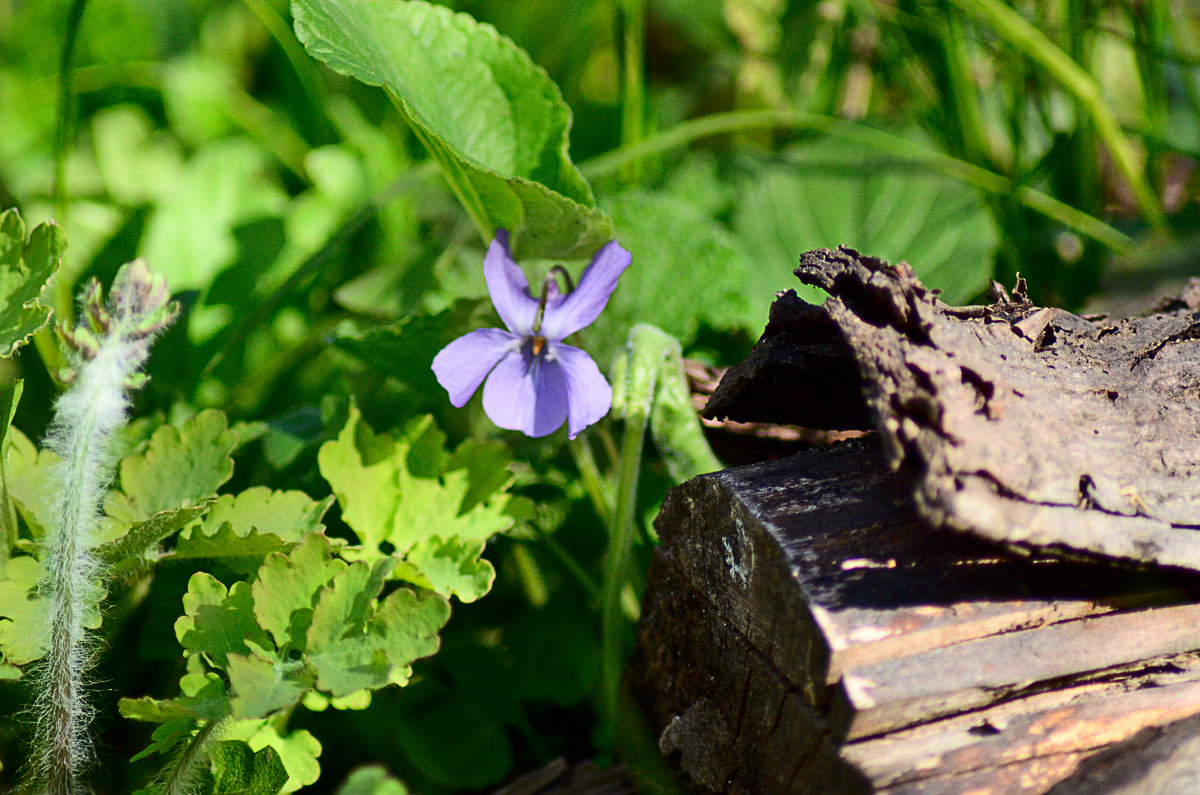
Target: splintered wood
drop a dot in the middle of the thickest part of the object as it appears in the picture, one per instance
(949, 604)
(804, 632)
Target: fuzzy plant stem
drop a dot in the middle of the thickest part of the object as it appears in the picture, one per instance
(111, 344)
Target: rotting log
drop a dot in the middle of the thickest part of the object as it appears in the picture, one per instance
(855, 619)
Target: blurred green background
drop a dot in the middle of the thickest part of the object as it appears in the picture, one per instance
(318, 251)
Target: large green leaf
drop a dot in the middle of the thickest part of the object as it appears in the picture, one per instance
(687, 269)
(25, 265)
(833, 193)
(492, 118)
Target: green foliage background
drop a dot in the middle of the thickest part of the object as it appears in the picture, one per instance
(318, 182)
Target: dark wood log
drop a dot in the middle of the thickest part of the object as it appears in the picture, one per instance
(811, 626)
(806, 631)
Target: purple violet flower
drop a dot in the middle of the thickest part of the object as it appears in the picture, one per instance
(534, 381)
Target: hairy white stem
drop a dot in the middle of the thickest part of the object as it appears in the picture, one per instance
(112, 346)
(86, 421)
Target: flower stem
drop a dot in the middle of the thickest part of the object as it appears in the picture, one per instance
(112, 343)
(87, 419)
(633, 104)
(633, 395)
(593, 482)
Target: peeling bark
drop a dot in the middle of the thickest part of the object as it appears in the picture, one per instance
(1027, 425)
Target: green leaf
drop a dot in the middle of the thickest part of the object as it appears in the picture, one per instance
(25, 266)
(242, 553)
(24, 619)
(434, 509)
(671, 241)
(9, 399)
(449, 567)
(834, 193)
(203, 698)
(371, 780)
(127, 552)
(298, 750)
(290, 515)
(237, 770)
(402, 629)
(493, 119)
(179, 468)
(240, 530)
(406, 349)
(262, 686)
(30, 479)
(217, 622)
(189, 238)
(287, 587)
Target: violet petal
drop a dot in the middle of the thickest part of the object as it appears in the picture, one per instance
(508, 287)
(580, 307)
(589, 396)
(462, 365)
(525, 395)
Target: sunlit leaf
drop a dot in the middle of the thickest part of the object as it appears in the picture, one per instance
(492, 118)
(179, 468)
(23, 617)
(238, 770)
(371, 780)
(287, 587)
(217, 622)
(242, 553)
(434, 509)
(673, 243)
(298, 750)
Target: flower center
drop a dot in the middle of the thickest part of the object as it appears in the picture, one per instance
(539, 342)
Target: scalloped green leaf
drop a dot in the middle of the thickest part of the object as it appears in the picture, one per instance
(298, 750)
(286, 589)
(24, 626)
(401, 629)
(450, 566)
(179, 468)
(371, 780)
(492, 118)
(434, 508)
(25, 266)
(242, 553)
(262, 686)
(23, 617)
(238, 770)
(29, 476)
(217, 622)
(290, 515)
